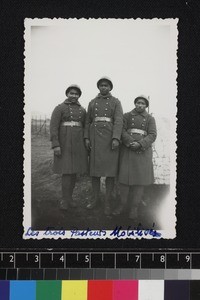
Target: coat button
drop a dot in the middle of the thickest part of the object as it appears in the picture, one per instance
(133, 123)
(95, 115)
(106, 109)
(107, 102)
(96, 108)
(142, 125)
(133, 119)
(144, 119)
(105, 114)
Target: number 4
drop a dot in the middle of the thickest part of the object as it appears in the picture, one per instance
(62, 258)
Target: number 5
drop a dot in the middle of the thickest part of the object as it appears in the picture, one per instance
(87, 258)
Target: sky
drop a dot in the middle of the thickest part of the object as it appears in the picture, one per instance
(138, 55)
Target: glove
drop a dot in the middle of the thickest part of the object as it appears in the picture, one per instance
(87, 144)
(134, 146)
(57, 151)
(115, 144)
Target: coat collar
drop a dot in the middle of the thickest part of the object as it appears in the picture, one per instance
(68, 102)
(135, 113)
(104, 97)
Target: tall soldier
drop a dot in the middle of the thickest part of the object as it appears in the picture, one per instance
(70, 154)
(136, 166)
(103, 128)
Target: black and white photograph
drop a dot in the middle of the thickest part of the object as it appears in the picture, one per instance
(100, 105)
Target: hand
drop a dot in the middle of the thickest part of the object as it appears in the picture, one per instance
(87, 144)
(134, 146)
(115, 144)
(57, 151)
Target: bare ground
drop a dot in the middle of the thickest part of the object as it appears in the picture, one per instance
(46, 194)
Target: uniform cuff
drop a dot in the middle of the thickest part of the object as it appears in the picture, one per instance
(55, 144)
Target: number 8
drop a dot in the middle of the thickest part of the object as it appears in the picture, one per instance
(162, 258)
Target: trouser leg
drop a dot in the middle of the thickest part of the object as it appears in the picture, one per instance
(136, 198)
(72, 186)
(73, 182)
(124, 192)
(66, 191)
(96, 191)
(110, 182)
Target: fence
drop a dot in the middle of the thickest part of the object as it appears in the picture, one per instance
(40, 125)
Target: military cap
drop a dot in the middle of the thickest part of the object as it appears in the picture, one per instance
(143, 98)
(105, 79)
(74, 86)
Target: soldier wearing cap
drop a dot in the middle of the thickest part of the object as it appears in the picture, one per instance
(136, 166)
(102, 135)
(70, 154)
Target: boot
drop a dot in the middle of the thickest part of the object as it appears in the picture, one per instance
(110, 181)
(96, 191)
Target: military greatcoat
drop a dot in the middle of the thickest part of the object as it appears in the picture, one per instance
(136, 167)
(74, 157)
(104, 160)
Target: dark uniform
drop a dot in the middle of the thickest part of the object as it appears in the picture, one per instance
(66, 130)
(103, 125)
(103, 160)
(136, 166)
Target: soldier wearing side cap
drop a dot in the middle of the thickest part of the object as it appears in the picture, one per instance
(70, 154)
(102, 135)
(136, 166)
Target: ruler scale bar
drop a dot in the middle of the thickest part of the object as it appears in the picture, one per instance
(106, 260)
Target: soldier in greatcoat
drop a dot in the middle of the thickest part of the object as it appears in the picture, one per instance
(136, 166)
(103, 128)
(70, 154)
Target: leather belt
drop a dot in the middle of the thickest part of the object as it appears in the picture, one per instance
(102, 119)
(139, 131)
(72, 123)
